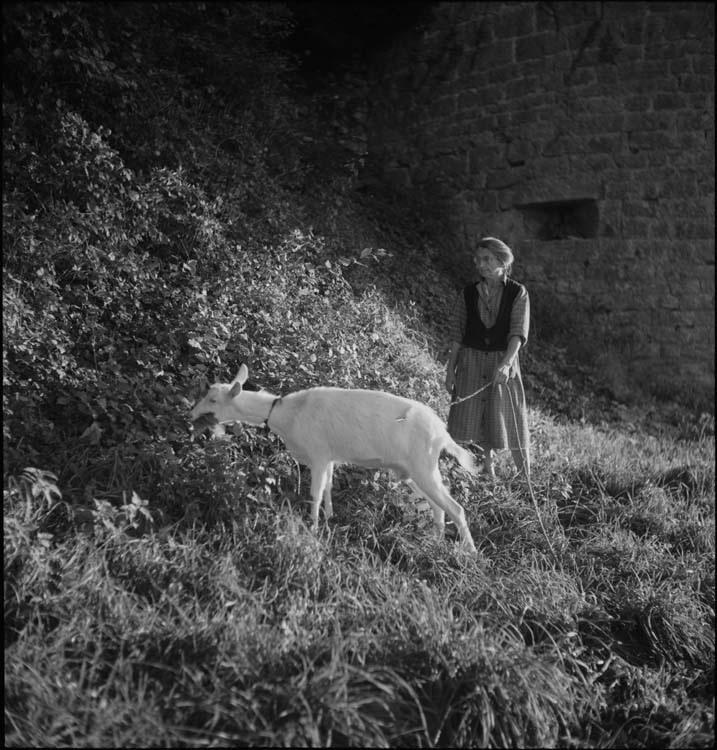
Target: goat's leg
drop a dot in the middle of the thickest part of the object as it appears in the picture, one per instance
(439, 516)
(319, 477)
(421, 500)
(328, 506)
(431, 485)
(489, 462)
(439, 521)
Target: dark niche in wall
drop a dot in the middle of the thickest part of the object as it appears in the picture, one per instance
(560, 220)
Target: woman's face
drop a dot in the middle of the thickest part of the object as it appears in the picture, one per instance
(489, 267)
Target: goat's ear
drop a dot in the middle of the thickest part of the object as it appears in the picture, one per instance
(239, 381)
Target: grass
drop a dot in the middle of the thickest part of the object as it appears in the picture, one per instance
(238, 626)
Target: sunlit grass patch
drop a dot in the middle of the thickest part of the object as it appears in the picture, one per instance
(623, 456)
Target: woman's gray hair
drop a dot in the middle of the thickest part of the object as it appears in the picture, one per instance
(501, 251)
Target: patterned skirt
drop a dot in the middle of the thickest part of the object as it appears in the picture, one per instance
(497, 418)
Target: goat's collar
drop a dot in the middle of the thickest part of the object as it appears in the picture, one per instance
(271, 409)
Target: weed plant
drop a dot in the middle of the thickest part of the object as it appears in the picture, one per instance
(164, 589)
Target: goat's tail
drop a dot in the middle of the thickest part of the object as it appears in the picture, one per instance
(465, 457)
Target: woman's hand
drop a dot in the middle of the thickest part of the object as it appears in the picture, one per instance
(502, 375)
(451, 367)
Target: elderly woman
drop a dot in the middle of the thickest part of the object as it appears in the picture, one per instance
(491, 325)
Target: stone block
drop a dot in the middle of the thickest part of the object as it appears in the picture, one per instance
(537, 46)
(487, 202)
(501, 74)
(524, 117)
(676, 50)
(519, 151)
(670, 302)
(668, 101)
(505, 199)
(694, 230)
(681, 66)
(685, 25)
(497, 179)
(652, 140)
(515, 21)
(596, 122)
(704, 319)
(692, 142)
(484, 123)
(649, 121)
(468, 99)
(648, 73)
(517, 88)
(704, 64)
(632, 161)
(599, 163)
(483, 158)
(632, 31)
(690, 119)
(691, 288)
(546, 18)
(635, 227)
(608, 76)
(454, 168)
(705, 252)
(565, 186)
(632, 52)
(660, 229)
(651, 191)
(531, 103)
(625, 11)
(636, 103)
(694, 86)
(490, 95)
(605, 144)
(632, 208)
(583, 76)
(498, 53)
(543, 113)
(564, 144)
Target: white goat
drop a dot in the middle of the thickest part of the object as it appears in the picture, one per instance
(325, 426)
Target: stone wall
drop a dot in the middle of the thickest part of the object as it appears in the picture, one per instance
(583, 135)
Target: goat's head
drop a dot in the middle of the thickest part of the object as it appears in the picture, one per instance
(216, 406)
(230, 402)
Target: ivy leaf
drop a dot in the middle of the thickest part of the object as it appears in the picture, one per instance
(92, 434)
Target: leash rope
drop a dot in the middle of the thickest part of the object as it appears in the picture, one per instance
(465, 398)
(527, 476)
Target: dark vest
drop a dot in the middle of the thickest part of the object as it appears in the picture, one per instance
(477, 335)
